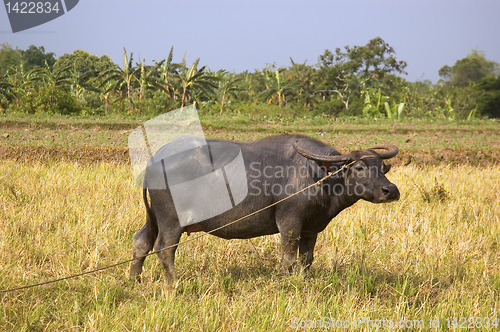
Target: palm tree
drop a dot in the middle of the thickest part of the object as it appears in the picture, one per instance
(168, 70)
(55, 77)
(194, 81)
(147, 77)
(106, 93)
(249, 84)
(275, 85)
(21, 81)
(228, 86)
(304, 79)
(121, 78)
(81, 82)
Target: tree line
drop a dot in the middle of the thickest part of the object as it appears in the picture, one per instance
(362, 80)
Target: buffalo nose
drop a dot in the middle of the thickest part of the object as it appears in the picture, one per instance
(390, 192)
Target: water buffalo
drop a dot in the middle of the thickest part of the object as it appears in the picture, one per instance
(276, 167)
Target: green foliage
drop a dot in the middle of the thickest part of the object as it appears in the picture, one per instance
(471, 86)
(196, 84)
(84, 62)
(349, 82)
(333, 107)
(147, 78)
(168, 69)
(346, 73)
(155, 103)
(394, 111)
(468, 70)
(303, 79)
(6, 89)
(83, 73)
(489, 96)
(8, 57)
(49, 99)
(373, 105)
(36, 57)
(20, 81)
(120, 78)
(91, 103)
(52, 77)
(228, 86)
(276, 87)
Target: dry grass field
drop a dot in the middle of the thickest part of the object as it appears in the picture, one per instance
(429, 261)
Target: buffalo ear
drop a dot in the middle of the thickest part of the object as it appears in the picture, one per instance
(386, 168)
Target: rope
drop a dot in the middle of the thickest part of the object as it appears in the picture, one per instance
(177, 244)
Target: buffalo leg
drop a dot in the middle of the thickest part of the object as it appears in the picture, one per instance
(306, 250)
(165, 246)
(289, 248)
(142, 244)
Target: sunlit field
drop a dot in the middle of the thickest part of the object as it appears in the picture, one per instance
(428, 258)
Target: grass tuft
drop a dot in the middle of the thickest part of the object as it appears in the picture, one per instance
(437, 193)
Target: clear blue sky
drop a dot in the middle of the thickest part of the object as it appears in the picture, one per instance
(245, 34)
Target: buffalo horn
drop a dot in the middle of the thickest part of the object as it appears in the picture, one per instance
(321, 158)
(392, 150)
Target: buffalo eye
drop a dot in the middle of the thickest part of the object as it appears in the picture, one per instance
(359, 168)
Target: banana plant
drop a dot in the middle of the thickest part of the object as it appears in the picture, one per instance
(168, 70)
(21, 81)
(228, 86)
(472, 114)
(54, 77)
(194, 82)
(394, 111)
(373, 103)
(121, 78)
(275, 85)
(146, 77)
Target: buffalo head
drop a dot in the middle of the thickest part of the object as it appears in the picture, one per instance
(364, 177)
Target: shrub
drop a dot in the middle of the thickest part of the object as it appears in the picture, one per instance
(49, 99)
(155, 103)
